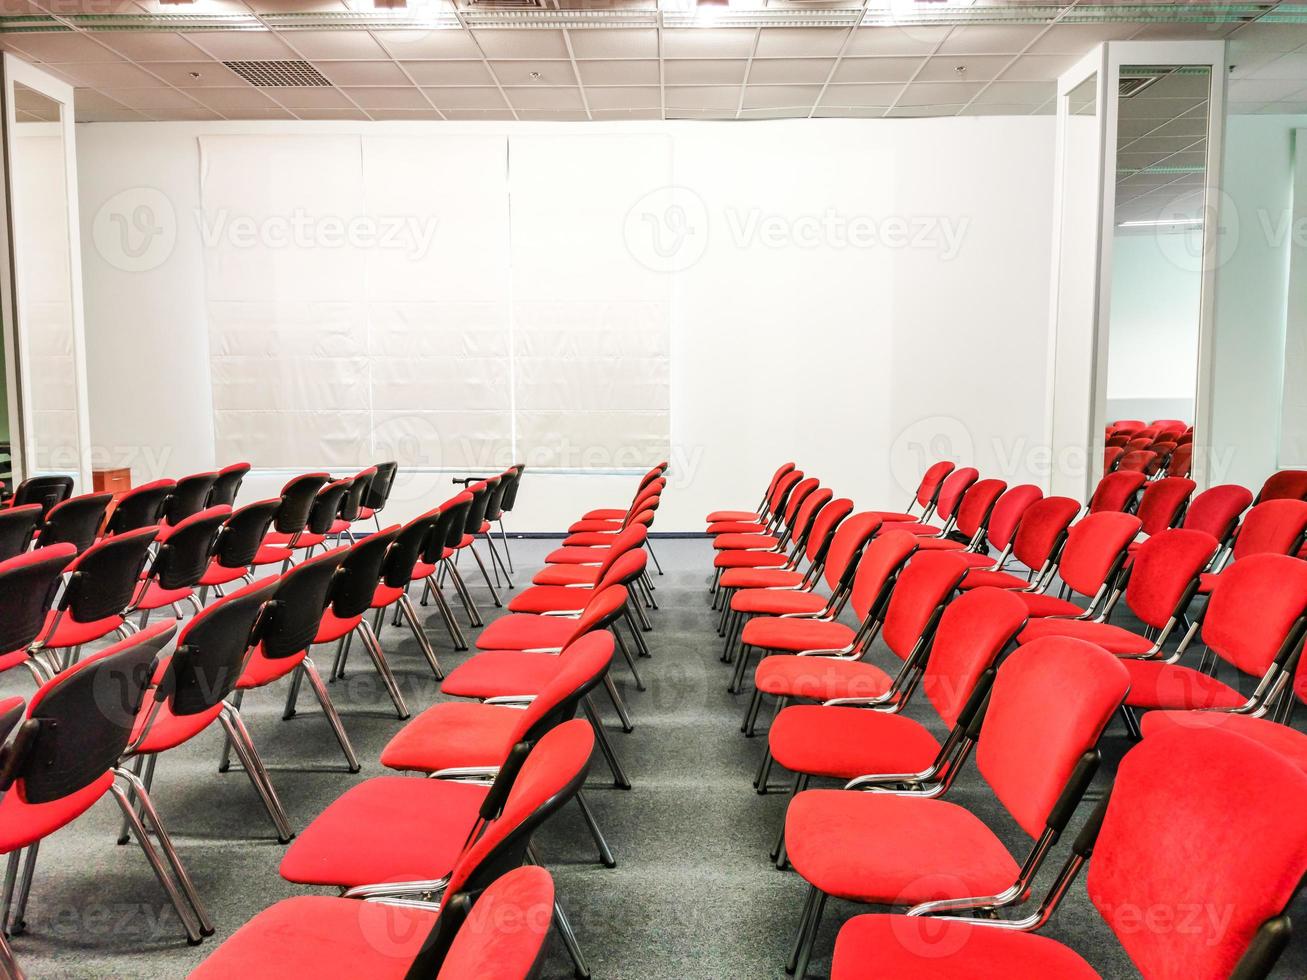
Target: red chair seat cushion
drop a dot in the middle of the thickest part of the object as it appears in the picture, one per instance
(738, 527)
(453, 734)
(796, 634)
(843, 743)
(23, 823)
(1278, 738)
(156, 597)
(366, 512)
(1040, 605)
(272, 554)
(976, 561)
(746, 542)
(70, 633)
(1154, 684)
(550, 598)
(386, 595)
(946, 544)
(731, 515)
(567, 575)
(305, 539)
(391, 828)
(913, 527)
(893, 850)
(217, 574)
(777, 602)
(1207, 582)
(589, 539)
(604, 514)
(749, 559)
(315, 936)
(887, 516)
(261, 670)
(978, 577)
(576, 556)
(523, 631)
(929, 948)
(167, 730)
(339, 526)
(501, 673)
(820, 678)
(596, 524)
(332, 627)
(760, 578)
(1113, 639)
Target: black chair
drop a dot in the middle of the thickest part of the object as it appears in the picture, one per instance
(322, 518)
(228, 484)
(475, 525)
(292, 517)
(379, 490)
(189, 496)
(494, 515)
(180, 564)
(77, 521)
(351, 505)
(28, 585)
(451, 519)
(140, 507)
(17, 528)
(238, 542)
(44, 490)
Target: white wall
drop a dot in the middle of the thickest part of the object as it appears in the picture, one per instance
(859, 295)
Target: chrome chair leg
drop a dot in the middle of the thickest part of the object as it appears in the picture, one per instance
(240, 740)
(648, 545)
(373, 647)
(605, 747)
(605, 854)
(18, 923)
(329, 709)
(9, 968)
(292, 695)
(503, 537)
(225, 762)
(637, 635)
(446, 614)
(460, 587)
(618, 703)
(420, 634)
(626, 654)
(11, 878)
(485, 575)
(498, 563)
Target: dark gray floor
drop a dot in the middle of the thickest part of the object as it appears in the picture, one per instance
(693, 895)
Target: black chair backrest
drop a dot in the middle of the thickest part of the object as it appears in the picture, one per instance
(28, 584)
(107, 576)
(476, 513)
(448, 527)
(495, 502)
(513, 479)
(212, 650)
(360, 574)
(228, 484)
(358, 489)
(297, 499)
(44, 490)
(189, 497)
(17, 525)
(183, 559)
(408, 547)
(80, 723)
(458, 520)
(379, 491)
(326, 507)
(140, 507)
(77, 521)
(298, 602)
(243, 533)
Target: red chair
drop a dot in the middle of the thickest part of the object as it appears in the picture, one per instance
(77, 521)
(965, 531)
(1162, 503)
(180, 564)
(759, 514)
(1161, 582)
(917, 601)
(1111, 456)
(378, 495)
(18, 529)
(1253, 623)
(502, 936)
(228, 484)
(1276, 527)
(1284, 485)
(654, 478)
(64, 759)
(806, 497)
(45, 491)
(1036, 747)
(951, 494)
(846, 741)
(189, 496)
(28, 585)
(645, 498)
(1036, 544)
(1172, 788)
(351, 505)
(290, 519)
(768, 551)
(1181, 462)
(238, 542)
(881, 560)
(139, 507)
(189, 689)
(1216, 511)
(925, 497)
(589, 573)
(1090, 565)
(1000, 527)
(1136, 461)
(565, 600)
(476, 519)
(323, 518)
(433, 563)
(1116, 491)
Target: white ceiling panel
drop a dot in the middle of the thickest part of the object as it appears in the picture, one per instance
(780, 96)
(938, 93)
(883, 96)
(716, 97)
(699, 43)
(388, 98)
(481, 98)
(336, 45)
(522, 44)
(634, 72)
(154, 46)
(1039, 67)
(624, 97)
(990, 39)
(195, 74)
(545, 98)
(1079, 38)
(895, 41)
(448, 72)
(242, 45)
(1017, 93)
(962, 68)
(799, 42)
(234, 99)
(604, 43)
(534, 72)
(860, 70)
(706, 72)
(428, 45)
(347, 73)
(790, 71)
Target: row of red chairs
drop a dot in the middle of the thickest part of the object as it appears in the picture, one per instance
(1020, 675)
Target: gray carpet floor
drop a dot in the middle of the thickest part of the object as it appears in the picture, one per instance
(693, 895)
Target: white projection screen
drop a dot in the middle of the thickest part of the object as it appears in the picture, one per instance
(459, 302)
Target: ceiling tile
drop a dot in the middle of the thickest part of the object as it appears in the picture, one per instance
(520, 72)
(89, 98)
(863, 70)
(197, 114)
(1182, 32)
(183, 73)
(624, 97)
(448, 72)
(919, 111)
(60, 48)
(1039, 67)
(790, 71)
(996, 109)
(938, 93)
(296, 97)
(800, 42)
(895, 40)
(618, 72)
(486, 97)
(223, 99)
(700, 113)
(560, 98)
(298, 6)
(1079, 38)
(109, 75)
(108, 115)
(241, 45)
(1264, 90)
(388, 98)
(706, 72)
(552, 115)
(1285, 108)
(522, 44)
(714, 97)
(699, 43)
(330, 114)
(1017, 93)
(363, 72)
(1246, 108)
(405, 114)
(151, 98)
(987, 39)
(777, 112)
(605, 43)
(478, 115)
(335, 45)
(616, 115)
(162, 46)
(1285, 66)
(1269, 37)
(976, 68)
(847, 112)
(861, 95)
(415, 45)
(780, 96)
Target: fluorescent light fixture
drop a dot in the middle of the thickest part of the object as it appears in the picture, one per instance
(1160, 222)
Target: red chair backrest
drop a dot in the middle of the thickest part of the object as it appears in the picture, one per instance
(976, 627)
(1165, 573)
(1008, 511)
(880, 562)
(1284, 485)
(1254, 614)
(1116, 491)
(932, 480)
(1275, 527)
(824, 525)
(1217, 510)
(951, 491)
(846, 546)
(922, 590)
(977, 505)
(1181, 462)
(1043, 529)
(1162, 502)
(1111, 456)
(503, 936)
(1094, 550)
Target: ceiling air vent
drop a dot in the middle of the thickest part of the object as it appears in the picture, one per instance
(1132, 85)
(279, 74)
(502, 4)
